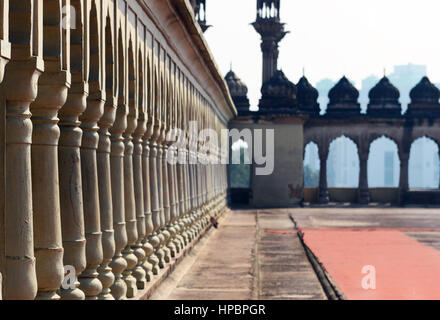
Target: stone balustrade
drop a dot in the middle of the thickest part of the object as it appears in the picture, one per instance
(90, 91)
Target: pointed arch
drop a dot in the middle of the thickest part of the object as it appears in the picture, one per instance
(311, 165)
(383, 163)
(94, 63)
(109, 59)
(78, 60)
(343, 163)
(141, 84)
(121, 66)
(424, 164)
(131, 79)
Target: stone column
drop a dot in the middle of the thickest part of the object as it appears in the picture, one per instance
(18, 90)
(139, 250)
(323, 191)
(403, 183)
(53, 85)
(118, 263)
(166, 202)
(130, 206)
(106, 275)
(71, 201)
(364, 194)
(71, 197)
(155, 207)
(149, 227)
(88, 279)
(52, 94)
(160, 253)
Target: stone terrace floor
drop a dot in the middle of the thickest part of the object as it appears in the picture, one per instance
(257, 254)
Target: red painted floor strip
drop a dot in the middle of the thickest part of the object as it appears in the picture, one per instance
(405, 269)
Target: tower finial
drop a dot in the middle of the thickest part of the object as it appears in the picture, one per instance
(269, 26)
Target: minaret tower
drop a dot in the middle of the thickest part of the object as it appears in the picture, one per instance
(199, 7)
(270, 28)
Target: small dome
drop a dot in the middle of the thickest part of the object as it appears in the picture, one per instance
(425, 93)
(307, 94)
(384, 92)
(278, 95)
(236, 87)
(279, 86)
(343, 92)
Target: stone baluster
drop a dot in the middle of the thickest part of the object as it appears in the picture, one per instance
(180, 192)
(169, 184)
(139, 250)
(147, 188)
(166, 202)
(53, 85)
(323, 190)
(155, 201)
(130, 207)
(89, 281)
(69, 161)
(118, 263)
(147, 183)
(19, 89)
(154, 126)
(106, 275)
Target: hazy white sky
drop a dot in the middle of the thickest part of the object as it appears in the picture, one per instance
(329, 38)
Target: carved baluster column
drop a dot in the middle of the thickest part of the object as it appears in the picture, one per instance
(177, 226)
(69, 160)
(89, 281)
(19, 90)
(182, 165)
(130, 206)
(166, 199)
(147, 188)
(323, 190)
(106, 275)
(139, 249)
(52, 93)
(118, 263)
(170, 185)
(155, 196)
